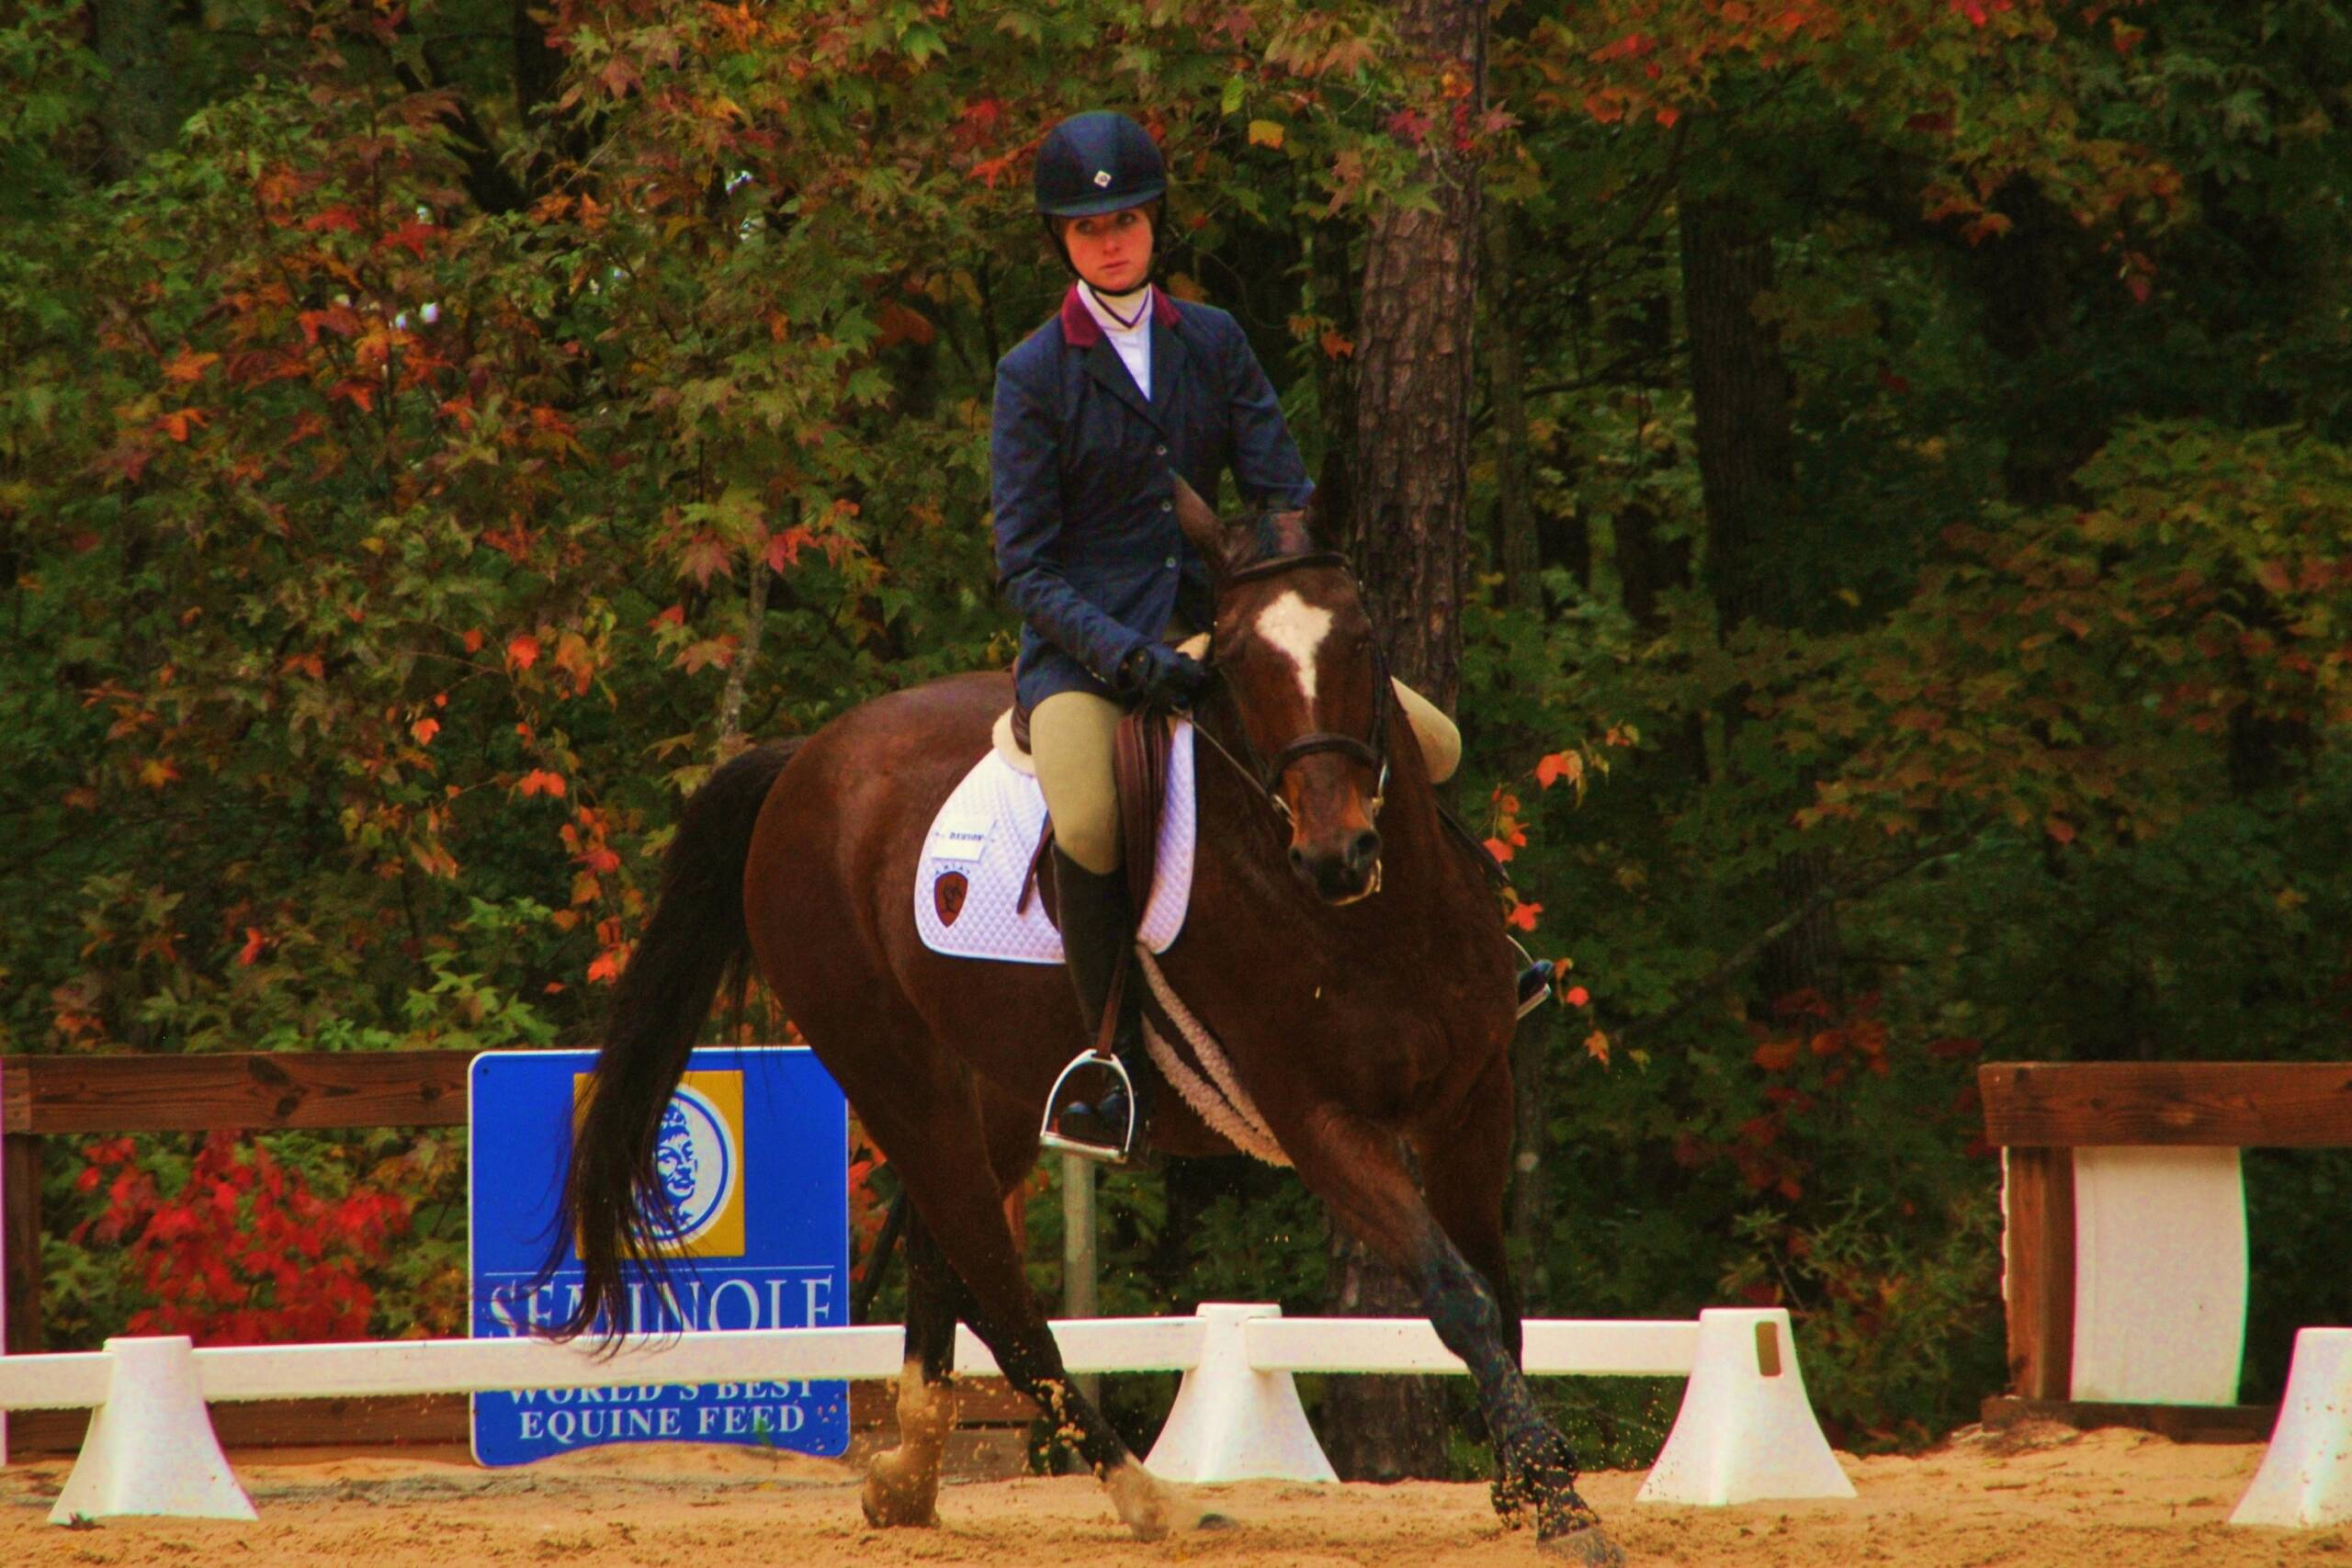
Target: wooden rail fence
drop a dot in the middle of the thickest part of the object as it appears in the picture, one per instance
(44, 1097)
(2124, 1230)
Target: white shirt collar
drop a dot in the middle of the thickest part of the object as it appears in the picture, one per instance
(1136, 304)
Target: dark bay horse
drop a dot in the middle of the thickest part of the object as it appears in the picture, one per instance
(1340, 946)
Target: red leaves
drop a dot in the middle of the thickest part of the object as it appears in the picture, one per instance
(245, 1251)
(1632, 46)
(1559, 765)
(783, 550)
(1980, 13)
(522, 652)
(538, 781)
(411, 236)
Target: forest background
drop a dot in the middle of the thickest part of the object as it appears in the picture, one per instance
(1898, 593)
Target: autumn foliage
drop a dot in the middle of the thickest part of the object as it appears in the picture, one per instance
(428, 448)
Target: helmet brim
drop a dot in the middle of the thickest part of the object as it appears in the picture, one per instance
(1110, 201)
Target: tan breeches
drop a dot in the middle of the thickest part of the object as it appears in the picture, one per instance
(1070, 736)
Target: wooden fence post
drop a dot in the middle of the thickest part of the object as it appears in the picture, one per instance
(2039, 1277)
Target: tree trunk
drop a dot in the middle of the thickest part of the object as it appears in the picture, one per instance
(1378, 1429)
(1409, 511)
(132, 38)
(1741, 389)
(1515, 543)
(1415, 373)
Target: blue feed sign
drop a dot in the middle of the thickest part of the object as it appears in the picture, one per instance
(753, 1155)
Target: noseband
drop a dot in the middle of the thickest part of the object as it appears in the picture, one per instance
(1373, 752)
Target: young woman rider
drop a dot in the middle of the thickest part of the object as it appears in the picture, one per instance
(1096, 414)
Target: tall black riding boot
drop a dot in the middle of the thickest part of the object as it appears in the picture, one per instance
(1098, 922)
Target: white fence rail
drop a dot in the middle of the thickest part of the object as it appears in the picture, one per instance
(1745, 1431)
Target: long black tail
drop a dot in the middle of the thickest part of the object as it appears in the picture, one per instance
(695, 942)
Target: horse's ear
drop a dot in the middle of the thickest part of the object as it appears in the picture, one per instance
(1203, 528)
(1327, 509)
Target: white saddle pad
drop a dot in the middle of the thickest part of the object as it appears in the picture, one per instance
(977, 854)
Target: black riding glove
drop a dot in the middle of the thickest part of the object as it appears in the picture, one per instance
(1161, 676)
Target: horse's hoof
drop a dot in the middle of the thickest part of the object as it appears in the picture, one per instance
(1216, 1522)
(1588, 1547)
(892, 1501)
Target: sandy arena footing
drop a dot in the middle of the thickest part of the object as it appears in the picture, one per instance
(2038, 1496)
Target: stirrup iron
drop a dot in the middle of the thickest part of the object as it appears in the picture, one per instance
(1108, 1153)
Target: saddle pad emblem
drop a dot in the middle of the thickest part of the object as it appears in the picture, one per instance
(967, 889)
(947, 895)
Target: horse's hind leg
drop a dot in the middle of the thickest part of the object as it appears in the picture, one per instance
(903, 1484)
(944, 1161)
(1359, 1169)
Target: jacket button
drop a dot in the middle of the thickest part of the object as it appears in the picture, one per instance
(1161, 449)
(1171, 563)
(1167, 506)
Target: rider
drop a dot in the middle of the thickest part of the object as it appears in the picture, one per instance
(1096, 414)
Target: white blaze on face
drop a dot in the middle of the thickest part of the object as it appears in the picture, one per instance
(1297, 629)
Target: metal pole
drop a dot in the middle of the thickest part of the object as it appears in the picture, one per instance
(1080, 1298)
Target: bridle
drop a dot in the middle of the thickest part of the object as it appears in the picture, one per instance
(1373, 752)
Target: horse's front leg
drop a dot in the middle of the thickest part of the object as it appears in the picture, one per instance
(1360, 1171)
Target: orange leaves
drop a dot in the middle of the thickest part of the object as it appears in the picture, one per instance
(708, 653)
(1558, 766)
(1596, 1045)
(188, 365)
(424, 730)
(538, 781)
(902, 323)
(522, 652)
(783, 550)
(179, 422)
(703, 557)
(1519, 913)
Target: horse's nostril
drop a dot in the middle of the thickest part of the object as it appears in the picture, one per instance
(1297, 858)
(1364, 851)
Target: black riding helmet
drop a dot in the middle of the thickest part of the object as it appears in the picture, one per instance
(1097, 162)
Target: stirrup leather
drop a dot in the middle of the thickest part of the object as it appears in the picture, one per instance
(1049, 1138)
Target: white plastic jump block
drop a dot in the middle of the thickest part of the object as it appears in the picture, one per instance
(2160, 1275)
(1745, 1431)
(151, 1448)
(2306, 1478)
(1231, 1421)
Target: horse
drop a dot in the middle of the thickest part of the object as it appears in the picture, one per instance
(1342, 944)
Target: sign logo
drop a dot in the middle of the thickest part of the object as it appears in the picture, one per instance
(698, 1154)
(750, 1153)
(1101, 179)
(947, 895)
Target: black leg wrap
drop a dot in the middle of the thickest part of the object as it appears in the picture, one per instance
(1535, 1469)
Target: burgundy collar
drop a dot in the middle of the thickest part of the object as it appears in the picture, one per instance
(1080, 329)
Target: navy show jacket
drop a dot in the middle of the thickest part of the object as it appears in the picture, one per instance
(1082, 473)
